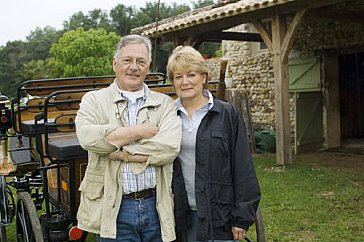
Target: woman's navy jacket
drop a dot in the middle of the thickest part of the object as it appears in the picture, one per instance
(227, 189)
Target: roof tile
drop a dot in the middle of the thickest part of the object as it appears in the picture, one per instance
(222, 9)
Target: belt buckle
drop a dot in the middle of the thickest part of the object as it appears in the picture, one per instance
(137, 196)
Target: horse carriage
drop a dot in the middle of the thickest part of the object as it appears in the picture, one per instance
(41, 161)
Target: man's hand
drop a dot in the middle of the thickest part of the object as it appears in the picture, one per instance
(120, 155)
(238, 233)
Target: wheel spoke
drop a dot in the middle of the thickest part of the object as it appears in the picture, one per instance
(23, 221)
(28, 224)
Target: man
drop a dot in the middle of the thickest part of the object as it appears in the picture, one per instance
(132, 136)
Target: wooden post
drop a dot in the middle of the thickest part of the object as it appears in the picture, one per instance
(331, 108)
(280, 44)
(239, 99)
(222, 87)
(281, 92)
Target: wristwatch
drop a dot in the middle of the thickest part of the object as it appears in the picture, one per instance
(124, 155)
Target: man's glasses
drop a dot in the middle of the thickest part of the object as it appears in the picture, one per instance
(129, 61)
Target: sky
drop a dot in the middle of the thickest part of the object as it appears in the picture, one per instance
(19, 17)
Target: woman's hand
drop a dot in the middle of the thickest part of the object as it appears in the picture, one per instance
(238, 233)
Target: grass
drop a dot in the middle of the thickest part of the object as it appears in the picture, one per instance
(301, 202)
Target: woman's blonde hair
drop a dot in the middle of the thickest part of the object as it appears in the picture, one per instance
(186, 59)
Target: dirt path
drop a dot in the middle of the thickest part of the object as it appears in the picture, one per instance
(350, 156)
(339, 160)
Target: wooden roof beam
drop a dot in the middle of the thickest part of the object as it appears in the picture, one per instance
(177, 40)
(218, 36)
(291, 34)
(267, 38)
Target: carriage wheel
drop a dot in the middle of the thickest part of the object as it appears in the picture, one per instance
(28, 227)
(259, 226)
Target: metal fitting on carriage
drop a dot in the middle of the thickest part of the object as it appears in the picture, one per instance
(55, 227)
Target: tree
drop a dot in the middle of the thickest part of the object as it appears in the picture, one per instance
(77, 20)
(179, 9)
(18, 58)
(96, 18)
(83, 53)
(148, 14)
(100, 19)
(12, 58)
(39, 42)
(122, 19)
(35, 69)
(202, 3)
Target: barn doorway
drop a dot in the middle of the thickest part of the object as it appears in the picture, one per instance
(351, 79)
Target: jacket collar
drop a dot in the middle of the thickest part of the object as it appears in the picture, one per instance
(218, 105)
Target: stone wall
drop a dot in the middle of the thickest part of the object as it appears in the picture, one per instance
(252, 68)
(254, 73)
(214, 67)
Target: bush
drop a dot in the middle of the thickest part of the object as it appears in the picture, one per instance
(265, 141)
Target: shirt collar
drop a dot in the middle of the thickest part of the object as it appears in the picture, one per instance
(145, 88)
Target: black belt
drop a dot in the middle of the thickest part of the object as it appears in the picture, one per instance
(141, 194)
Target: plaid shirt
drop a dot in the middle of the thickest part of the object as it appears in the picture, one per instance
(146, 179)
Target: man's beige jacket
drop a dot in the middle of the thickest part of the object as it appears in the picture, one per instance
(101, 188)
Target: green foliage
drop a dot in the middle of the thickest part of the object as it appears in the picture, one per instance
(96, 18)
(122, 19)
(83, 53)
(148, 14)
(202, 3)
(39, 42)
(12, 58)
(178, 9)
(218, 52)
(35, 69)
(265, 141)
(209, 49)
(100, 19)
(18, 58)
(163, 50)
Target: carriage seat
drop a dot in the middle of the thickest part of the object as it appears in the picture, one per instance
(65, 147)
(28, 127)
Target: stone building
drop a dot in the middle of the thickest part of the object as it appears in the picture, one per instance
(251, 67)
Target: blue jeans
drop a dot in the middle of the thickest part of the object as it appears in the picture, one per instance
(137, 221)
(191, 232)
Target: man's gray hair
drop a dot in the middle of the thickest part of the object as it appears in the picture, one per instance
(134, 38)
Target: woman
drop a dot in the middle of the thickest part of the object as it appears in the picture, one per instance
(214, 181)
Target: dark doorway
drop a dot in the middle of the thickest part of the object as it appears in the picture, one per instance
(351, 74)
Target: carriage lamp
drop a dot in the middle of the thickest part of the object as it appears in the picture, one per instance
(5, 113)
